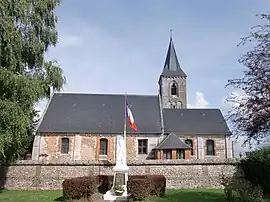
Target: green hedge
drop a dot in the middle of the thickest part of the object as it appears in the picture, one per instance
(145, 186)
(159, 184)
(241, 190)
(256, 168)
(158, 181)
(139, 186)
(80, 187)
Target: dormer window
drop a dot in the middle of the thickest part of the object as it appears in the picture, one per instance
(173, 89)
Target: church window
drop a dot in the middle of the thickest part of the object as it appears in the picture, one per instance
(103, 146)
(180, 154)
(142, 146)
(190, 143)
(173, 105)
(210, 148)
(64, 145)
(173, 89)
(167, 154)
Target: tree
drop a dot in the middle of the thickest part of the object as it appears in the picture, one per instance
(27, 30)
(250, 115)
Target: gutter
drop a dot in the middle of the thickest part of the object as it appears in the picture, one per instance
(198, 149)
(226, 149)
(161, 116)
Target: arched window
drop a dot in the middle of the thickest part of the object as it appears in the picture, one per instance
(190, 143)
(210, 148)
(103, 146)
(173, 105)
(64, 145)
(173, 89)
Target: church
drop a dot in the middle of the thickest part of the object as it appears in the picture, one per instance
(78, 126)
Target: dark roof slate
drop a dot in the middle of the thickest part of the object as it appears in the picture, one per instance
(171, 141)
(100, 113)
(172, 66)
(195, 121)
(104, 113)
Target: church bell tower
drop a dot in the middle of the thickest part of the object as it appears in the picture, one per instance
(172, 81)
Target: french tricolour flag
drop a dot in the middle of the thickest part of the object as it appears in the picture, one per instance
(131, 121)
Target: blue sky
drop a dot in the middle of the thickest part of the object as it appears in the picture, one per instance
(120, 46)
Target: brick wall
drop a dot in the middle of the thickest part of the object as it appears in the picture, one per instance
(86, 146)
(179, 174)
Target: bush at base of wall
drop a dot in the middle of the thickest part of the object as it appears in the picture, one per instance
(144, 186)
(79, 187)
(159, 182)
(241, 190)
(139, 186)
(256, 168)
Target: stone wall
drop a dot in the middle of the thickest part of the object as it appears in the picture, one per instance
(179, 173)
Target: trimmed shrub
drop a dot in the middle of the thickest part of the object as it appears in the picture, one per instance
(79, 187)
(140, 188)
(256, 168)
(241, 190)
(157, 186)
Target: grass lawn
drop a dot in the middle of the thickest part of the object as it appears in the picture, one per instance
(30, 195)
(194, 195)
(172, 195)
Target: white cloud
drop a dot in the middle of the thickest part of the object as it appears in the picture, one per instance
(238, 96)
(200, 101)
(69, 41)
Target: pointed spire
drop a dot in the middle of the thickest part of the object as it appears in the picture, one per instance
(172, 66)
(170, 34)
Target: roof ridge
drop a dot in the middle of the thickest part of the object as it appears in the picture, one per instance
(182, 109)
(173, 141)
(112, 94)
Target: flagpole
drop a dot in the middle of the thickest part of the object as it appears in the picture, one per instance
(125, 131)
(125, 121)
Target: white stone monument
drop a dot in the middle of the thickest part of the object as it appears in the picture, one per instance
(118, 191)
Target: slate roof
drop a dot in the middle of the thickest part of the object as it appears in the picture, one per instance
(171, 141)
(104, 113)
(172, 66)
(100, 113)
(195, 121)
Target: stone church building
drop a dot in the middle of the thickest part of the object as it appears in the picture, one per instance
(85, 126)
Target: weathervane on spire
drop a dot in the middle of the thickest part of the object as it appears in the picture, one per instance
(171, 33)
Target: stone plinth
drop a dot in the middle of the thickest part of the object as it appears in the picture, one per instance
(119, 188)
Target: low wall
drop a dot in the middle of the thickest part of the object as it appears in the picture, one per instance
(179, 173)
